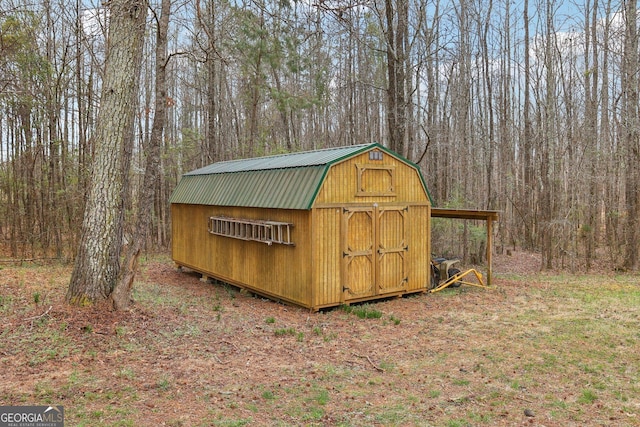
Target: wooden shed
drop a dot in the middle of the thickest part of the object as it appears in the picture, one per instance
(316, 229)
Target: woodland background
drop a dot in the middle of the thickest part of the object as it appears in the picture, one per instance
(530, 108)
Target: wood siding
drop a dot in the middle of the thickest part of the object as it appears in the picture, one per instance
(419, 240)
(341, 183)
(327, 257)
(279, 271)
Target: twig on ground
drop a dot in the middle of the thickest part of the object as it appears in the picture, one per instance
(219, 361)
(41, 315)
(231, 344)
(377, 368)
(23, 260)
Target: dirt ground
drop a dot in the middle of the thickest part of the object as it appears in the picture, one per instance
(190, 353)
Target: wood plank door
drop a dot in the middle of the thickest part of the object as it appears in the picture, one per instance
(374, 251)
(358, 242)
(392, 250)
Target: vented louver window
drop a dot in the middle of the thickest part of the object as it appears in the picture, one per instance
(375, 155)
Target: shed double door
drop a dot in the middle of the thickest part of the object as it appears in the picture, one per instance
(374, 251)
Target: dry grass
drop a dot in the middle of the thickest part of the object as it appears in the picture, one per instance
(564, 348)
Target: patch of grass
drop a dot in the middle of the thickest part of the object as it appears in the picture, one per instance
(268, 395)
(329, 337)
(230, 290)
(253, 407)
(313, 414)
(155, 295)
(6, 302)
(620, 396)
(332, 372)
(591, 369)
(394, 319)
(587, 397)
(284, 331)
(41, 321)
(364, 311)
(44, 391)
(560, 404)
(127, 372)
(479, 418)
(231, 422)
(387, 365)
(458, 423)
(187, 330)
(322, 397)
(270, 320)
(96, 414)
(434, 394)
(550, 360)
(395, 415)
(163, 384)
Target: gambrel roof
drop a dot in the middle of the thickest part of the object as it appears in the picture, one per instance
(287, 181)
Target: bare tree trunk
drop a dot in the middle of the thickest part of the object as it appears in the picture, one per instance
(122, 293)
(396, 38)
(547, 206)
(98, 261)
(256, 85)
(489, 100)
(590, 230)
(214, 152)
(606, 140)
(528, 219)
(631, 134)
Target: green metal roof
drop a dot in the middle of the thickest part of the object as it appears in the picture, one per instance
(288, 181)
(290, 160)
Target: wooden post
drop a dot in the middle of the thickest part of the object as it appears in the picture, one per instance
(489, 246)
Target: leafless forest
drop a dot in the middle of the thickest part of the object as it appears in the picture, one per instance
(530, 108)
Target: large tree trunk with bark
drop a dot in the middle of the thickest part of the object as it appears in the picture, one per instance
(98, 260)
(122, 293)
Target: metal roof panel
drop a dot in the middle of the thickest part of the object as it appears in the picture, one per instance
(286, 181)
(278, 188)
(291, 160)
